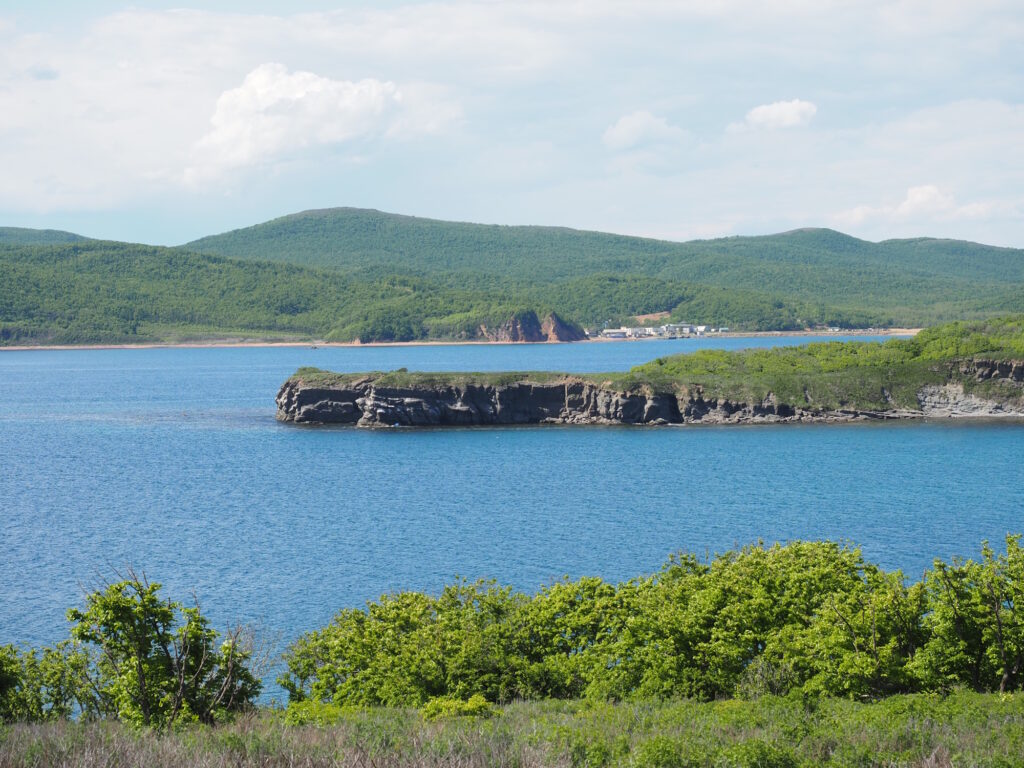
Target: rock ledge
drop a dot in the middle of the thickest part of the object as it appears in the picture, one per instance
(366, 401)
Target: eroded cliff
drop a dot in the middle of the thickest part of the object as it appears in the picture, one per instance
(970, 388)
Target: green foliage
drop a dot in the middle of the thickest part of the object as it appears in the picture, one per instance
(976, 625)
(96, 292)
(155, 663)
(132, 656)
(311, 712)
(809, 619)
(443, 707)
(38, 685)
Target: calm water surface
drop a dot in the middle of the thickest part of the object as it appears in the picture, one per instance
(171, 460)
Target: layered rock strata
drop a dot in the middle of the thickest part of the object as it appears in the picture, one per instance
(370, 402)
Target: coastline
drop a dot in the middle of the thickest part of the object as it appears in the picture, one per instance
(244, 343)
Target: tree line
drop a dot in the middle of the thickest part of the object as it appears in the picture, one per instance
(807, 617)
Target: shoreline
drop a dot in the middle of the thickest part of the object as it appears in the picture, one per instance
(247, 343)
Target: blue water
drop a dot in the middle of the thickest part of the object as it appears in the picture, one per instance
(170, 460)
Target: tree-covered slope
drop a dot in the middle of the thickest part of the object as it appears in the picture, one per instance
(115, 292)
(348, 273)
(23, 236)
(96, 292)
(897, 281)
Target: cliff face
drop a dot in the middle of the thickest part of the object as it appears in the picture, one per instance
(368, 402)
(555, 328)
(525, 326)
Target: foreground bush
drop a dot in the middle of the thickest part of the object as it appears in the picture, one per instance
(920, 731)
(135, 657)
(810, 617)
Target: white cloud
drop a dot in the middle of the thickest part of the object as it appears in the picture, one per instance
(490, 111)
(779, 114)
(925, 200)
(638, 129)
(922, 204)
(276, 112)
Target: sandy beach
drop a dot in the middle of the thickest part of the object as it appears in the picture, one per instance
(234, 342)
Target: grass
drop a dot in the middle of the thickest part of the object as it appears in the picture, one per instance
(963, 729)
(404, 379)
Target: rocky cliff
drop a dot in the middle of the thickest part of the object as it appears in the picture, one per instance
(526, 326)
(316, 397)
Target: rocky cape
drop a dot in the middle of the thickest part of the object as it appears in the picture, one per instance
(401, 399)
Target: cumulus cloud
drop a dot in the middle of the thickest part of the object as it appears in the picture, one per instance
(778, 114)
(925, 202)
(275, 112)
(638, 129)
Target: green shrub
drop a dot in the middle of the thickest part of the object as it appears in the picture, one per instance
(806, 620)
(663, 751)
(311, 712)
(444, 707)
(755, 753)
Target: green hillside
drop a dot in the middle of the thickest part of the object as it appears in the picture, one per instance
(22, 236)
(115, 292)
(103, 292)
(353, 238)
(345, 274)
(814, 271)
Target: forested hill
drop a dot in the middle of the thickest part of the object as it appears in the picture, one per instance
(22, 236)
(357, 238)
(346, 274)
(107, 292)
(921, 280)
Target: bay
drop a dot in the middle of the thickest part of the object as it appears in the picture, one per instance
(170, 460)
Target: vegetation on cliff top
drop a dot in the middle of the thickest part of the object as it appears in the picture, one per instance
(828, 375)
(851, 374)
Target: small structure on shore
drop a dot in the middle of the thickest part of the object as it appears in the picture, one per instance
(667, 331)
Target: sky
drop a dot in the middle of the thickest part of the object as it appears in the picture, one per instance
(161, 123)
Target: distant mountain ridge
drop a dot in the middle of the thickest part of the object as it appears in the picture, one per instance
(23, 236)
(821, 266)
(349, 273)
(354, 237)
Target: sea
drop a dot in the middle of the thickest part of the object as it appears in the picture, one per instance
(170, 462)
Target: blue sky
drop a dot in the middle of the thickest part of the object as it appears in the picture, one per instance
(162, 123)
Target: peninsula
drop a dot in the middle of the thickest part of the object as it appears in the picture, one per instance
(954, 370)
